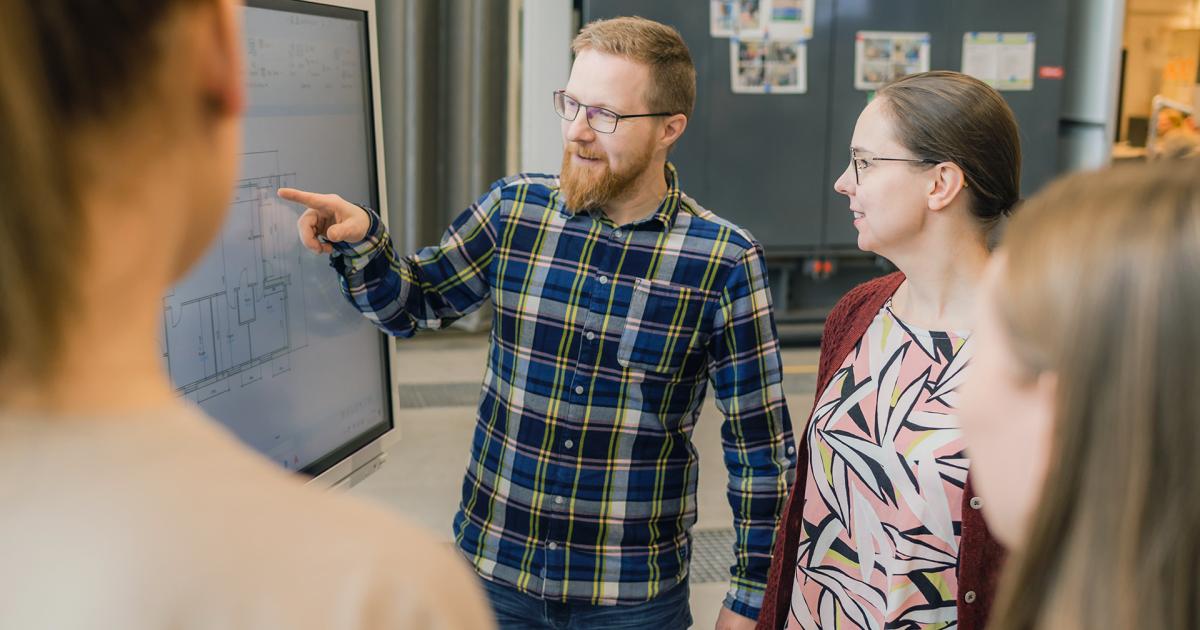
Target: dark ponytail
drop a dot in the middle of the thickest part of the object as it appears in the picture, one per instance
(952, 117)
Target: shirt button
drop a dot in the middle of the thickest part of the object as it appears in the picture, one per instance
(558, 500)
(791, 450)
(569, 444)
(553, 546)
(968, 597)
(617, 233)
(579, 389)
(603, 279)
(590, 335)
(976, 503)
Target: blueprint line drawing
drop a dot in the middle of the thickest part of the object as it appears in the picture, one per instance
(241, 312)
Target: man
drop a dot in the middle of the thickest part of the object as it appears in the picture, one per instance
(617, 298)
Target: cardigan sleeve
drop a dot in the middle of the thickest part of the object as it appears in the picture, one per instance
(844, 326)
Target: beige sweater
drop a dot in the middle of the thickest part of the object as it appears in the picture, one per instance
(164, 520)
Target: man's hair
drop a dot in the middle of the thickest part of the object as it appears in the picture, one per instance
(672, 74)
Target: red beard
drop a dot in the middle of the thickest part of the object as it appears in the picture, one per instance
(592, 186)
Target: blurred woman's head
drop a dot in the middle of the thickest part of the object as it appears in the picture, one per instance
(121, 133)
(935, 145)
(1082, 413)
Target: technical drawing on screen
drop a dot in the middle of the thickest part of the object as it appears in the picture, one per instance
(243, 309)
(258, 333)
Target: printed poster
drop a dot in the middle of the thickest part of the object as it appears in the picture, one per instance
(1002, 60)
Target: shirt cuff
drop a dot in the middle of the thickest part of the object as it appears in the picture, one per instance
(355, 256)
(745, 598)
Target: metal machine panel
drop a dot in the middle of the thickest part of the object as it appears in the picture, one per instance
(756, 160)
(768, 162)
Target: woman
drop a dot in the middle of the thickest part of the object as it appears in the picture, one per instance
(120, 505)
(881, 529)
(1082, 413)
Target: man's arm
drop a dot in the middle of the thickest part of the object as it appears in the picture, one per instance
(402, 295)
(747, 376)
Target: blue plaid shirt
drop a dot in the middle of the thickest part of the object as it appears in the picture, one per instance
(582, 481)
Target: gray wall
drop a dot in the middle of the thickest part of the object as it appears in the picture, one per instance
(1094, 64)
(545, 53)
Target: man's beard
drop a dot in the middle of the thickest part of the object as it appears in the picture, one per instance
(592, 186)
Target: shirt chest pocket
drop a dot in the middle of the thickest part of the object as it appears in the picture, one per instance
(661, 327)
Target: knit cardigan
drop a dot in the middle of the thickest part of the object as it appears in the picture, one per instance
(980, 555)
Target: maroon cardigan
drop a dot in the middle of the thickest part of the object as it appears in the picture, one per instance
(980, 556)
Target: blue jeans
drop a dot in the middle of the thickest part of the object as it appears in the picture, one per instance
(517, 611)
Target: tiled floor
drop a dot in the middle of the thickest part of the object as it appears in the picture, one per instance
(440, 375)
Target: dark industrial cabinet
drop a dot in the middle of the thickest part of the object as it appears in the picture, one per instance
(768, 161)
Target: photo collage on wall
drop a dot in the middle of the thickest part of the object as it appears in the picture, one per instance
(768, 51)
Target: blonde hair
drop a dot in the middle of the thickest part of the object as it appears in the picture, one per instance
(1102, 289)
(672, 74)
(38, 239)
(64, 65)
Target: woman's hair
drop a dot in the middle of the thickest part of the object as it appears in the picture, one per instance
(1102, 290)
(951, 117)
(65, 66)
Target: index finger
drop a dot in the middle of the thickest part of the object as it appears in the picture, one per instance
(310, 199)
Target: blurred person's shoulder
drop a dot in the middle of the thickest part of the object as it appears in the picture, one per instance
(167, 519)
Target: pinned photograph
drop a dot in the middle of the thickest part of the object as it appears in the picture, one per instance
(791, 19)
(760, 66)
(881, 57)
(722, 18)
(752, 17)
(738, 18)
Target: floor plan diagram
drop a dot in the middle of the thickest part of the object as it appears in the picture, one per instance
(240, 313)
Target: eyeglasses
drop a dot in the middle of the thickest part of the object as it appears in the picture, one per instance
(861, 164)
(599, 119)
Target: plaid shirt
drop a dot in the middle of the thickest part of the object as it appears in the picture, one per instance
(582, 479)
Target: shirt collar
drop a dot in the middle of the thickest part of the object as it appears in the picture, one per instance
(667, 210)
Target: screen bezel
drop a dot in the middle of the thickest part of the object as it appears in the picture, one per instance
(337, 466)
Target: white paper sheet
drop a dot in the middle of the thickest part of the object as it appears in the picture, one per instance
(1003, 60)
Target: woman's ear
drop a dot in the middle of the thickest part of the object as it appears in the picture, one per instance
(948, 181)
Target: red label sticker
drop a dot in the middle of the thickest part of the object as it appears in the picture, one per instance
(1050, 72)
